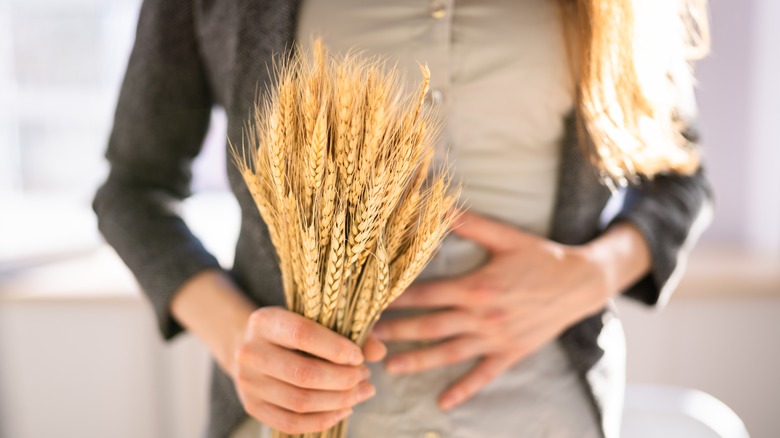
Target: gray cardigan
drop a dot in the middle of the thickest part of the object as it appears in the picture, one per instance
(191, 55)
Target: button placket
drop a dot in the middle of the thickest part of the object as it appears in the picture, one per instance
(439, 57)
(438, 9)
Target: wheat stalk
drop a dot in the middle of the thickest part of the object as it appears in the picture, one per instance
(338, 158)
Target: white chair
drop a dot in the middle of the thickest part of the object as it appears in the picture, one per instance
(660, 411)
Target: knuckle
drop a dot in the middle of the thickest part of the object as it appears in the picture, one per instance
(261, 317)
(451, 354)
(255, 410)
(349, 398)
(520, 347)
(502, 339)
(323, 423)
(246, 353)
(300, 333)
(300, 402)
(355, 377)
(251, 410)
(432, 327)
(302, 373)
(495, 321)
(240, 375)
(425, 294)
(241, 356)
(483, 290)
(288, 424)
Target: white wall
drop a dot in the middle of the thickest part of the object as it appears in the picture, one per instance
(739, 100)
(763, 213)
(60, 377)
(727, 347)
(723, 101)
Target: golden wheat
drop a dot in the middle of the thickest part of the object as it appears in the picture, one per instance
(334, 269)
(338, 158)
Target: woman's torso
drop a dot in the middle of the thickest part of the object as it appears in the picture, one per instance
(501, 81)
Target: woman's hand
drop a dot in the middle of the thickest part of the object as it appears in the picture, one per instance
(290, 373)
(297, 376)
(526, 295)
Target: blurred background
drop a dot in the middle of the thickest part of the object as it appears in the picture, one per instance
(61, 63)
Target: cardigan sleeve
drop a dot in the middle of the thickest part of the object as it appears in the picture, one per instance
(671, 212)
(160, 121)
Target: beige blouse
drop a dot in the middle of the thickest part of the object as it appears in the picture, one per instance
(500, 77)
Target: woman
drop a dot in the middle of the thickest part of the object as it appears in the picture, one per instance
(509, 333)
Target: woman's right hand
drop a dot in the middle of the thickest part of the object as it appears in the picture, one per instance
(297, 376)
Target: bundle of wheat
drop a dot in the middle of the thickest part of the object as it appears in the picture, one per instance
(338, 158)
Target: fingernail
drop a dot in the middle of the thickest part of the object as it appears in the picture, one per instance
(397, 365)
(366, 373)
(366, 392)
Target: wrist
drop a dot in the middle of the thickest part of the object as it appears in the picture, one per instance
(212, 307)
(621, 256)
(236, 322)
(600, 273)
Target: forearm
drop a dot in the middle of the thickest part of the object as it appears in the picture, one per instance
(212, 307)
(623, 255)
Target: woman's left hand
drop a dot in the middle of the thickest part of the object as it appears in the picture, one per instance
(530, 290)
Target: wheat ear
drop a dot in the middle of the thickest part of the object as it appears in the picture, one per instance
(333, 285)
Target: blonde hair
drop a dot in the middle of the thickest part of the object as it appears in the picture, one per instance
(632, 60)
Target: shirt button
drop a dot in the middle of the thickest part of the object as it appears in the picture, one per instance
(438, 9)
(435, 97)
(431, 435)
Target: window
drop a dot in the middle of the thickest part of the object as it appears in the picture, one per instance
(60, 68)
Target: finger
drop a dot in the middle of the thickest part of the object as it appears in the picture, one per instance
(435, 293)
(304, 401)
(474, 289)
(299, 370)
(293, 423)
(427, 327)
(486, 371)
(291, 330)
(494, 235)
(446, 353)
(374, 350)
